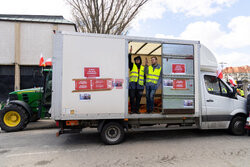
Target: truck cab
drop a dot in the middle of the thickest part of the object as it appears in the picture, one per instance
(221, 107)
(221, 104)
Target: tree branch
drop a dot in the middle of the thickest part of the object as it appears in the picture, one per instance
(105, 16)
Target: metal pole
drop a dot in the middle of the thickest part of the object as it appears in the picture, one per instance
(17, 56)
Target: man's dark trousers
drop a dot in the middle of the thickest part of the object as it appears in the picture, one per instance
(135, 99)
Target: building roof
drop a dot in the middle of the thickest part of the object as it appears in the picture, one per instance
(35, 18)
(242, 69)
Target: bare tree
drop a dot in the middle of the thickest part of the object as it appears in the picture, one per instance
(105, 16)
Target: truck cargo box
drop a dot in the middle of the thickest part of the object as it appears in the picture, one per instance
(90, 76)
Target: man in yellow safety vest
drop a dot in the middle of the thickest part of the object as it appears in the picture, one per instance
(153, 80)
(136, 83)
(240, 92)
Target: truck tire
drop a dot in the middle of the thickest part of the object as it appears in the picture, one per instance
(13, 118)
(112, 133)
(237, 126)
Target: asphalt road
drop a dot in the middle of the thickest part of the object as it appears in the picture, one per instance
(41, 147)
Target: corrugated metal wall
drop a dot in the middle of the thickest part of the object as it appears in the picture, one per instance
(35, 38)
(21, 45)
(7, 43)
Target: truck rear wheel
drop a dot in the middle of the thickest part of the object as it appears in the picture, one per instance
(237, 126)
(13, 118)
(112, 133)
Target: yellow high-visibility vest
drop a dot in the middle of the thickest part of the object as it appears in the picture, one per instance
(210, 89)
(224, 90)
(133, 76)
(153, 75)
(242, 93)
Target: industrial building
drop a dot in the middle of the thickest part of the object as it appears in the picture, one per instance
(23, 39)
(240, 74)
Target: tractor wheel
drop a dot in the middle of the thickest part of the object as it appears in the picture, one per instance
(13, 118)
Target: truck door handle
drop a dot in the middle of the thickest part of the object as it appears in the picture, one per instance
(210, 100)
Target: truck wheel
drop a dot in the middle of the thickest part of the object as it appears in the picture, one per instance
(112, 133)
(237, 126)
(13, 118)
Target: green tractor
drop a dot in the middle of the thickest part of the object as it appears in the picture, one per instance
(27, 105)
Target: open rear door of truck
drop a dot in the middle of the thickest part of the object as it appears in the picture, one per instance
(178, 79)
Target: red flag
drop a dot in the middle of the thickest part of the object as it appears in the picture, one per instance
(41, 63)
(232, 81)
(48, 62)
(219, 73)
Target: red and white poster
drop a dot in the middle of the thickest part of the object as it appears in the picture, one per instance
(178, 68)
(82, 84)
(93, 84)
(99, 84)
(91, 72)
(179, 84)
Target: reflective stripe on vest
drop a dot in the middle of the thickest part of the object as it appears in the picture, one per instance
(210, 89)
(153, 75)
(133, 76)
(224, 90)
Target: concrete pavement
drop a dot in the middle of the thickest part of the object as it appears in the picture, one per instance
(189, 148)
(40, 124)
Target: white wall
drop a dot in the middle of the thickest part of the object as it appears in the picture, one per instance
(35, 38)
(7, 43)
(62, 27)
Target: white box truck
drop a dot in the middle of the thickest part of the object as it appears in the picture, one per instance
(90, 86)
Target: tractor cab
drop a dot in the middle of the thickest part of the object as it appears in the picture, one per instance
(27, 105)
(47, 89)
